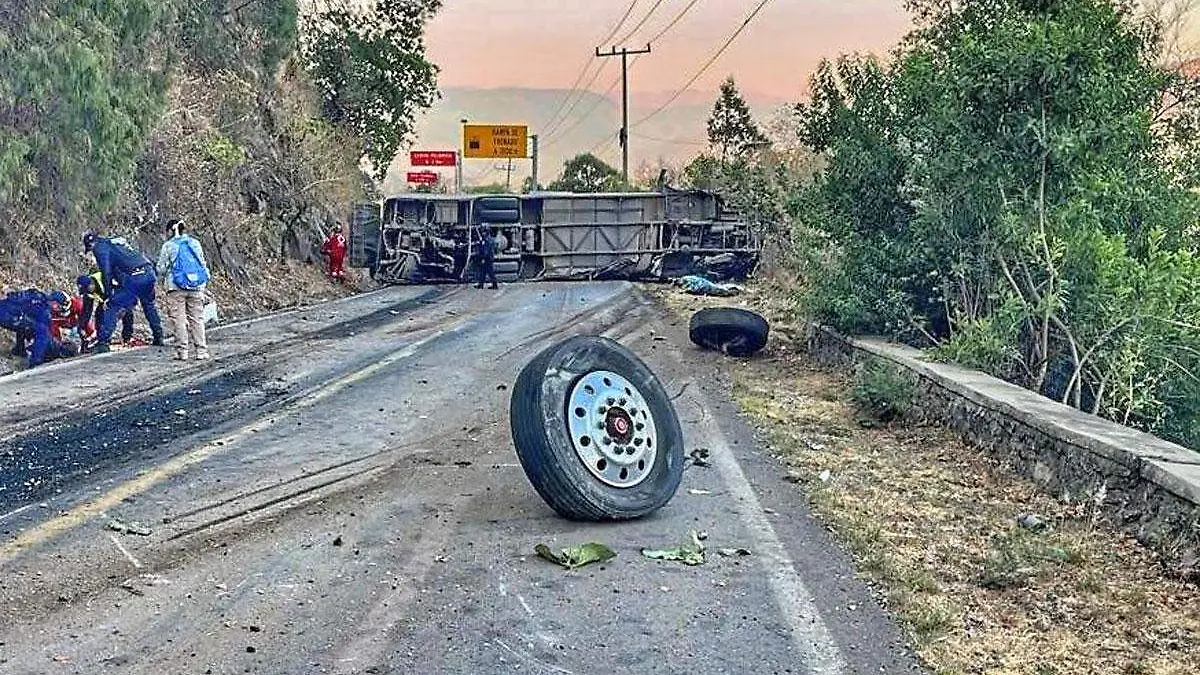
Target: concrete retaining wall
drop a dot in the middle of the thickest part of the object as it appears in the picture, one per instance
(1147, 486)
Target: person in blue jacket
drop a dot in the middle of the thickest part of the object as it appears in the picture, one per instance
(27, 313)
(129, 280)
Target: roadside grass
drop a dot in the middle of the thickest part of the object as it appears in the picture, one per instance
(932, 524)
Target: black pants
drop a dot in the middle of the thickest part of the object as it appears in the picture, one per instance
(487, 272)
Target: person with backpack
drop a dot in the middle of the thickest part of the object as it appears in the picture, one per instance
(185, 274)
(129, 280)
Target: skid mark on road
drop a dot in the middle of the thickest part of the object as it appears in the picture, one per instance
(79, 515)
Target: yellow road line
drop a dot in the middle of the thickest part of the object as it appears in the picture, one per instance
(77, 516)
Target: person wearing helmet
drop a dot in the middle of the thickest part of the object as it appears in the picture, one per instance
(91, 290)
(335, 250)
(129, 280)
(65, 326)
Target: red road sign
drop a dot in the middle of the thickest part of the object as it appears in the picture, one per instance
(433, 158)
(423, 177)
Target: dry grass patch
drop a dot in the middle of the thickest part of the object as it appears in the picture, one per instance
(933, 524)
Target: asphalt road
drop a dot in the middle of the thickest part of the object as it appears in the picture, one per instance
(338, 493)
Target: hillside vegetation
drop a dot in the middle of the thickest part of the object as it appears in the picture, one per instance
(256, 122)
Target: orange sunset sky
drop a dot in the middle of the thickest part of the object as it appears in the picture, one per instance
(543, 43)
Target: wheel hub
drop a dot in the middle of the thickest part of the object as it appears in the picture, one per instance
(612, 429)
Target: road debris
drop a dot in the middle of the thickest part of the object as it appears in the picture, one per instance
(1032, 522)
(697, 285)
(576, 556)
(734, 552)
(699, 457)
(691, 552)
(699, 493)
(127, 528)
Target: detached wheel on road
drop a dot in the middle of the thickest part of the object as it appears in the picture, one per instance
(732, 331)
(596, 432)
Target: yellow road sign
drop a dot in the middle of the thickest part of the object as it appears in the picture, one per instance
(489, 141)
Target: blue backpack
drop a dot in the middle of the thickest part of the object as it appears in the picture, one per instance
(187, 271)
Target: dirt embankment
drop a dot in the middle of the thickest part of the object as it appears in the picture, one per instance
(933, 524)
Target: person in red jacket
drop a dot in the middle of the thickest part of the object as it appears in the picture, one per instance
(65, 311)
(335, 250)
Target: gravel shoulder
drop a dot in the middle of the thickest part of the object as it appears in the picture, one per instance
(932, 525)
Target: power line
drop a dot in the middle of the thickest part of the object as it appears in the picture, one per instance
(635, 29)
(707, 64)
(567, 114)
(588, 113)
(678, 17)
(550, 137)
(677, 141)
(587, 65)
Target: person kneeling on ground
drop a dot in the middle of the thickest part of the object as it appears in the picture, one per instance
(129, 280)
(185, 275)
(91, 289)
(70, 335)
(27, 313)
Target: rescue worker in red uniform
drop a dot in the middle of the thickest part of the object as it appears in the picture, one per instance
(335, 250)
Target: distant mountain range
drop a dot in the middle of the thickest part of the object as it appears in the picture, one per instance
(591, 123)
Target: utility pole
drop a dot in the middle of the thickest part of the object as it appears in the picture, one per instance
(458, 154)
(534, 139)
(624, 54)
(507, 169)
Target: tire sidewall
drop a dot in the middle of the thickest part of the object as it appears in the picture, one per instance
(563, 366)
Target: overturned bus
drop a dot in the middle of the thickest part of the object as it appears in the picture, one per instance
(426, 238)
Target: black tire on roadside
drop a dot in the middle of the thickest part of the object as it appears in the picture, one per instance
(732, 331)
(590, 480)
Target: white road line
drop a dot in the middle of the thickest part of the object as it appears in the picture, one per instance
(811, 636)
(136, 563)
(14, 512)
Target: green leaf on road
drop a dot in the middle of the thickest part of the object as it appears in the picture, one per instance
(576, 556)
(690, 552)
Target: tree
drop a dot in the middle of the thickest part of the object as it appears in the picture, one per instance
(368, 61)
(651, 175)
(587, 173)
(731, 129)
(1011, 190)
(81, 86)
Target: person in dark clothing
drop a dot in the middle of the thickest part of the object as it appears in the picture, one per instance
(27, 313)
(91, 289)
(487, 258)
(128, 279)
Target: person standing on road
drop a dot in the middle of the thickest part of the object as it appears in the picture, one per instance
(91, 289)
(185, 275)
(128, 279)
(487, 259)
(335, 250)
